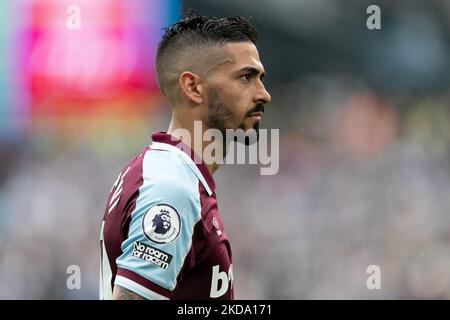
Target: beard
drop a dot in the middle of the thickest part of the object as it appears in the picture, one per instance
(250, 137)
(219, 114)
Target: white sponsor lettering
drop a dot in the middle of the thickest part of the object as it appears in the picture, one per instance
(221, 281)
(150, 254)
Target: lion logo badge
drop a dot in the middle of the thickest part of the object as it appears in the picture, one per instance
(161, 224)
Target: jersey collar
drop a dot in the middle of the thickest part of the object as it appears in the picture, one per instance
(161, 138)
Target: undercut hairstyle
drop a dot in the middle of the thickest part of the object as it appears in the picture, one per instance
(194, 44)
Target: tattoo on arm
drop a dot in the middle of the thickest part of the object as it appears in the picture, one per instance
(120, 293)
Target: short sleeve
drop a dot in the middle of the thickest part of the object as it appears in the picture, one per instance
(159, 238)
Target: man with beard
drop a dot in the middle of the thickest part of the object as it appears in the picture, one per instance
(162, 236)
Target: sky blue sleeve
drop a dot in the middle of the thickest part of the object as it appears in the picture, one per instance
(161, 230)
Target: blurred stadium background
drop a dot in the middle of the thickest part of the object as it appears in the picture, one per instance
(364, 119)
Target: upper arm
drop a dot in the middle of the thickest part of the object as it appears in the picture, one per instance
(159, 238)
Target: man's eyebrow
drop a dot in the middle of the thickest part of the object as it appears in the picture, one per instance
(253, 71)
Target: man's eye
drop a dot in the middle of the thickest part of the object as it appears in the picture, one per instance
(245, 77)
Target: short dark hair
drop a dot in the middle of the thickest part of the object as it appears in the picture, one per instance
(194, 31)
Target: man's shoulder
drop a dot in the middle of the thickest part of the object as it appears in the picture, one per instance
(166, 173)
(166, 165)
(160, 175)
(158, 164)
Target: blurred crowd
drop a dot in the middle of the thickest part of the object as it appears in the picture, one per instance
(364, 180)
(364, 176)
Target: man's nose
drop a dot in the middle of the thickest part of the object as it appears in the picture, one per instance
(262, 96)
(267, 96)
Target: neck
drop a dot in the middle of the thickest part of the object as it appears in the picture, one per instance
(188, 132)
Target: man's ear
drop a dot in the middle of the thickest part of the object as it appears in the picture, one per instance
(191, 86)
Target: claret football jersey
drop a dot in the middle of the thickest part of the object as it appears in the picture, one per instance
(162, 236)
